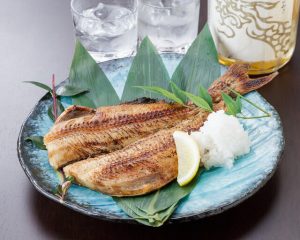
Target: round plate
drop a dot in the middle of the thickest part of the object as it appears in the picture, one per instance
(218, 189)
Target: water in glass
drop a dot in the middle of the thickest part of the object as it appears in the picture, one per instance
(171, 25)
(107, 31)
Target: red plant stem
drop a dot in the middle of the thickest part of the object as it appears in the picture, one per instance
(54, 97)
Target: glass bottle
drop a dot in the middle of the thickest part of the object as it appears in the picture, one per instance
(262, 33)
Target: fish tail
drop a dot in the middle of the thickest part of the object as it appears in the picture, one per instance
(237, 78)
(245, 84)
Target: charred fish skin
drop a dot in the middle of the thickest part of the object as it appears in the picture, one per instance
(151, 163)
(82, 132)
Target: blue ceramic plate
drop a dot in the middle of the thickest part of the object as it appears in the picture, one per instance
(218, 189)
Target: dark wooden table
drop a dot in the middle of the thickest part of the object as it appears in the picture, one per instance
(36, 39)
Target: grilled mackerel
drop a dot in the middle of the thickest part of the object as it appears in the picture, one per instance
(151, 163)
(82, 132)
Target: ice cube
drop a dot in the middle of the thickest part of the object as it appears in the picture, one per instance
(101, 11)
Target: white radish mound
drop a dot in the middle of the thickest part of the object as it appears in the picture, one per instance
(221, 139)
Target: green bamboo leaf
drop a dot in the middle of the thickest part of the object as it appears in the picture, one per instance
(178, 92)
(40, 85)
(161, 91)
(203, 93)
(147, 69)
(231, 105)
(199, 66)
(70, 91)
(60, 110)
(38, 141)
(198, 101)
(86, 74)
(155, 208)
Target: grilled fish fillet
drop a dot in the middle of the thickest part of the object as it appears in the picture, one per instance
(151, 163)
(82, 132)
(146, 165)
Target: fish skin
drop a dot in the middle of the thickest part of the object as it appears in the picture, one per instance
(150, 163)
(82, 132)
(146, 165)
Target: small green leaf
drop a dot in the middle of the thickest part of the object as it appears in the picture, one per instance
(233, 107)
(58, 190)
(60, 110)
(62, 189)
(39, 84)
(238, 104)
(50, 113)
(178, 92)
(203, 93)
(163, 92)
(70, 90)
(70, 178)
(38, 141)
(238, 101)
(199, 101)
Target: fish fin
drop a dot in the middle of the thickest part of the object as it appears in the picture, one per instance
(74, 112)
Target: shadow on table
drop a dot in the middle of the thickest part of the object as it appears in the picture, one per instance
(58, 222)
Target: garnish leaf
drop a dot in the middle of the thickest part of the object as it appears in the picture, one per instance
(203, 93)
(233, 107)
(70, 178)
(70, 91)
(38, 141)
(199, 66)
(238, 104)
(155, 208)
(163, 92)
(40, 85)
(147, 69)
(62, 189)
(178, 92)
(86, 74)
(199, 101)
(58, 190)
(60, 110)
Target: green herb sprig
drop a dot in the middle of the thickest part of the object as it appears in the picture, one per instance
(56, 108)
(163, 92)
(177, 95)
(233, 107)
(239, 104)
(204, 100)
(61, 190)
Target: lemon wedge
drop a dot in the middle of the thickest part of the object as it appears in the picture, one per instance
(188, 154)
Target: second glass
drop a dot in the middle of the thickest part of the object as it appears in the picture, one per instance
(172, 25)
(106, 28)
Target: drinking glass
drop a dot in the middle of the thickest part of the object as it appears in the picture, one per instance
(261, 33)
(172, 25)
(106, 28)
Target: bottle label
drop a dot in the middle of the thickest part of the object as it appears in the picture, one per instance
(251, 30)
